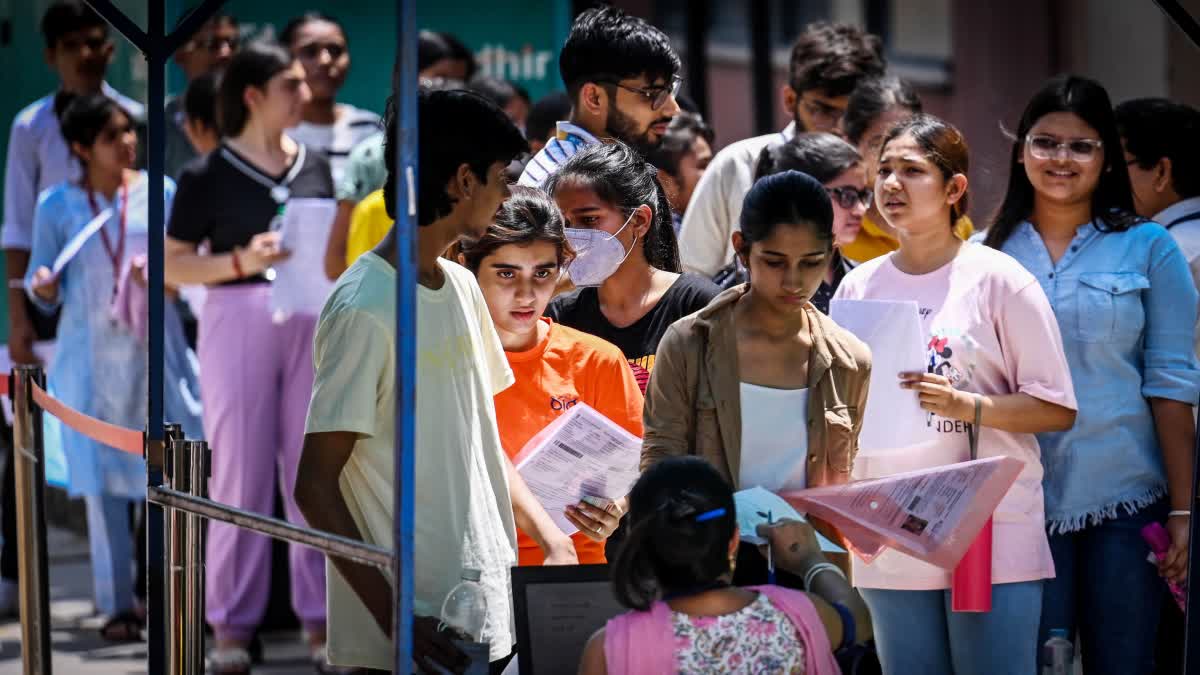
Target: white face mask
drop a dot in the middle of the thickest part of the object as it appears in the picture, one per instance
(597, 254)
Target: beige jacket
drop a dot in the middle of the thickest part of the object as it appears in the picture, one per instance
(693, 401)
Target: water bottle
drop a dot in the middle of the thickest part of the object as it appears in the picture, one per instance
(1058, 654)
(464, 613)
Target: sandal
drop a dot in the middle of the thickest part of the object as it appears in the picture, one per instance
(229, 661)
(124, 626)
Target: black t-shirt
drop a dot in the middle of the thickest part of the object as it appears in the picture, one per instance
(216, 201)
(580, 309)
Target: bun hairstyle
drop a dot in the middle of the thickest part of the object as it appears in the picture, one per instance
(528, 215)
(786, 198)
(621, 177)
(943, 144)
(681, 520)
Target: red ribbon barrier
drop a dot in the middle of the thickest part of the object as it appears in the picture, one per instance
(126, 440)
(4, 388)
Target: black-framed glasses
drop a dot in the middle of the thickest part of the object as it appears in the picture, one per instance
(848, 197)
(1077, 149)
(657, 95)
(823, 115)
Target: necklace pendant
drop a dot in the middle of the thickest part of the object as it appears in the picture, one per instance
(280, 194)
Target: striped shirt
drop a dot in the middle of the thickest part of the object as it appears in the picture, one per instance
(335, 141)
(568, 140)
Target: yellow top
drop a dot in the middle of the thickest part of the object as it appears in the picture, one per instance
(873, 242)
(369, 224)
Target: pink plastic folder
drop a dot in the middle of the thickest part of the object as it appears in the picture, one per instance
(933, 515)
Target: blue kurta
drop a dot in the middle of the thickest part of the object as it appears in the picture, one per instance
(100, 367)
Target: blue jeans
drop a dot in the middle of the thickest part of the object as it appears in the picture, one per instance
(916, 632)
(1107, 591)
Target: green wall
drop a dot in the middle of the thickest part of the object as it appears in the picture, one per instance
(515, 39)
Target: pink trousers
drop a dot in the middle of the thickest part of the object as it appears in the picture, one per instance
(256, 377)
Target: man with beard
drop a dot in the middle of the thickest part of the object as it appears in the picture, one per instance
(827, 63)
(622, 76)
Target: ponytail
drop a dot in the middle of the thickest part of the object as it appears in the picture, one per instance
(682, 520)
(662, 246)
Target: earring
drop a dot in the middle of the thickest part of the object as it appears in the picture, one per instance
(732, 564)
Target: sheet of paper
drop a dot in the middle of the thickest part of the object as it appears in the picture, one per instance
(932, 515)
(300, 286)
(892, 330)
(75, 244)
(753, 507)
(581, 454)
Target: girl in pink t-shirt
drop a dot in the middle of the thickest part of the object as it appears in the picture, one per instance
(992, 338)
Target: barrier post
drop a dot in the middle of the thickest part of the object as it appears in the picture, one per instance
(199, 469)
(30, 473)
(175, 541)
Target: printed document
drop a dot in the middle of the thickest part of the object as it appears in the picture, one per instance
(582, 454)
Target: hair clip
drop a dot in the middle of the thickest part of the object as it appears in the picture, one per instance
(710, 515)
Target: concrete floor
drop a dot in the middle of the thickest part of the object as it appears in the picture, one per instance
(78, 648)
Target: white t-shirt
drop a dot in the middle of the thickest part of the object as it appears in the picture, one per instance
(464, 516)
(774, 438)
(335, 141)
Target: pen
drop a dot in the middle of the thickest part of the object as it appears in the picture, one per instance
(770, 556)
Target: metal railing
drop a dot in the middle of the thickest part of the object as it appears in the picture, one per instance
(186, 468)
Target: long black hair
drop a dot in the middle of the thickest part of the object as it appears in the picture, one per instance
(681, 520)
(621, 177)
(1112, 200)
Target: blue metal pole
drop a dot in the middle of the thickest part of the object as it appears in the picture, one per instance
(405, 96)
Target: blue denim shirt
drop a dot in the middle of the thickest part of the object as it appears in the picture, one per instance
(1126, 305)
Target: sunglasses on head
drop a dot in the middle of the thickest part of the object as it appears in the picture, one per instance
(848, 197)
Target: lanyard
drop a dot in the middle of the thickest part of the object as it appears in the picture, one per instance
(1190, 216)
(280, 191)
(115, 253)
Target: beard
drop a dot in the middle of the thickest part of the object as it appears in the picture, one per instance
(624, 128)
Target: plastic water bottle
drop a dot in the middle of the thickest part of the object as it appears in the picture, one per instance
(1058, 654)
(464, 613)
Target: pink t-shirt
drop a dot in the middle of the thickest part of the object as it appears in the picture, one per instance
(991, 331)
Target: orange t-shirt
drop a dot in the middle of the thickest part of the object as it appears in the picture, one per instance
(566, 367)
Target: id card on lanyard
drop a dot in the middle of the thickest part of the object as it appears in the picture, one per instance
(115, 252)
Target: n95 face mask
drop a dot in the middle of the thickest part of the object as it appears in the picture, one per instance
(597, 254)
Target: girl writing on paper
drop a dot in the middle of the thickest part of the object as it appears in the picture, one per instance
(996, 360)
(1121, 291)
(518, 262)
(626, 267)
(768, 389)
(676, 576)
(256, 369)
(100, 365)
(839, 167)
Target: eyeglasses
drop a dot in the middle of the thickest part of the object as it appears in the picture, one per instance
(1078, 149)
(848, 197)
(657, 95)
(312, 51)
(823, 115)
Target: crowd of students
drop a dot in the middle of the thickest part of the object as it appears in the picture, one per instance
(683, 295)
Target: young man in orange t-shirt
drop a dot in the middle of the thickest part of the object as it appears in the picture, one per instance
(517, 263)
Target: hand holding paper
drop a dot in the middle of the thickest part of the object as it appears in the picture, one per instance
(751, 506)
(300, 285)
(580, 457)
(45, 284)
(932, 515)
